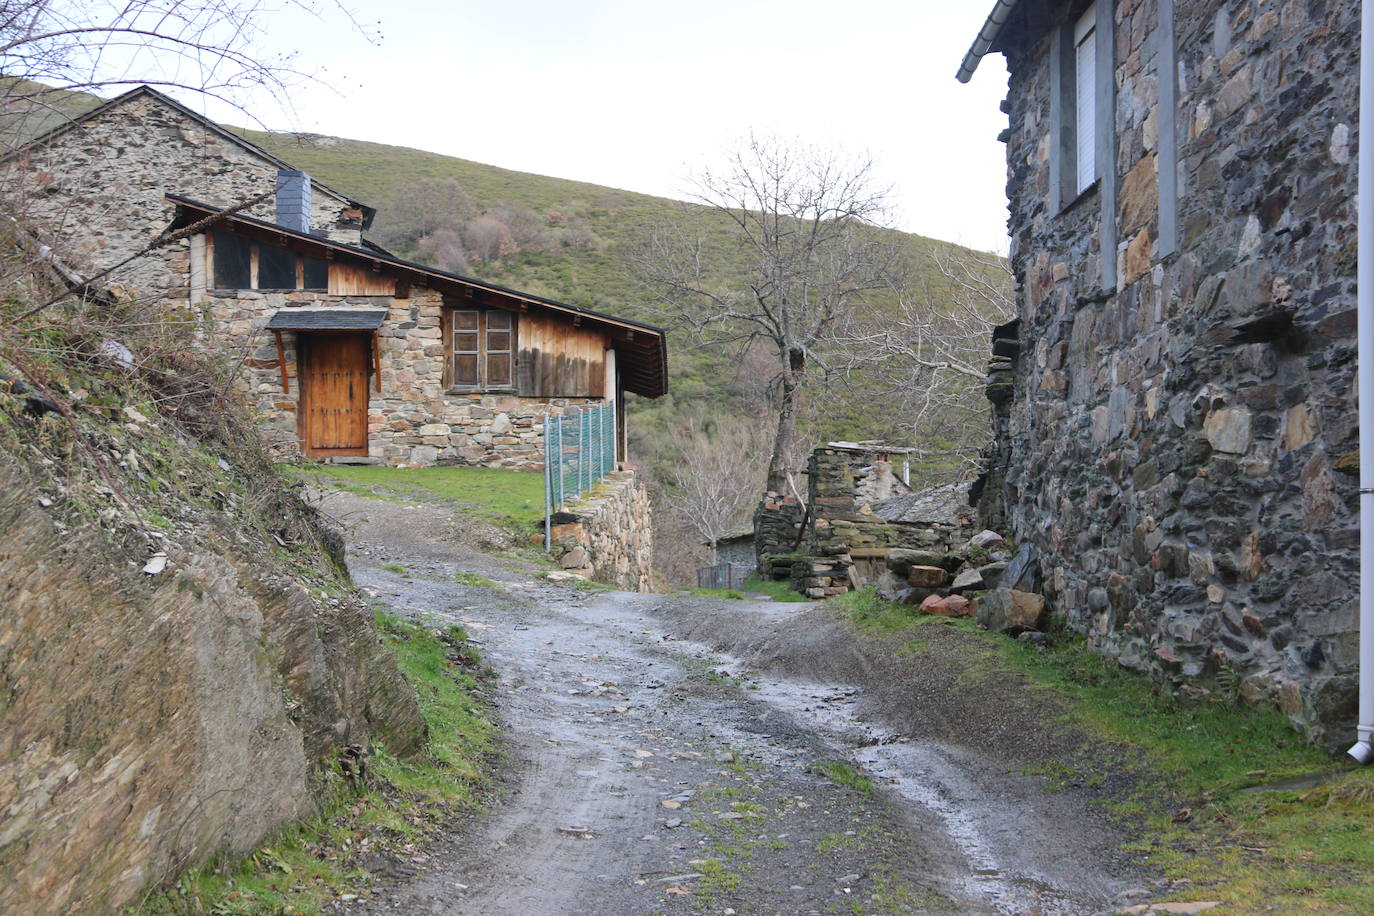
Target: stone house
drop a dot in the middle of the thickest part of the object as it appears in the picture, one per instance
(358, 356)
(349, 353)
(99, 182)
(1175, 404)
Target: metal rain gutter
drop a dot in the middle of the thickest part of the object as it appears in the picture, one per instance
(986, 36)
(1363, 751)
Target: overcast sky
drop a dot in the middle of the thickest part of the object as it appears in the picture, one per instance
(635, 94)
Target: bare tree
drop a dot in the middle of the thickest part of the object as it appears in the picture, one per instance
(214, 48)
(713, 483)
(932, 356)
(806, 234)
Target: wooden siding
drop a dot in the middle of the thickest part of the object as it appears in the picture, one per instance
(558, 360)
(358, 280)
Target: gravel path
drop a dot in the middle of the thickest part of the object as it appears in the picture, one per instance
(674, 755)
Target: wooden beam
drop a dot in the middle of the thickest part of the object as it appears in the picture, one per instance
(281, 363)
(377, 360)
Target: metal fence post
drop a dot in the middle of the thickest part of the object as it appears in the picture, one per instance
(548, 487)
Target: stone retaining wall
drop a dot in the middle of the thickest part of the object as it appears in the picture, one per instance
(607, 536)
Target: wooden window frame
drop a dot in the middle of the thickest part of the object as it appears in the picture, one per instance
(483, 351)
(254, 246)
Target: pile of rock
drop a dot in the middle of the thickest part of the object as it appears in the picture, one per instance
(981, 579)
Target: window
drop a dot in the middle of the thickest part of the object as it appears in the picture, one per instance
(241, 263)
(483, 348)
(1085, 101)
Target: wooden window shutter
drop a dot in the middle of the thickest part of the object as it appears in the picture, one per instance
(500, 349)
(467, 343)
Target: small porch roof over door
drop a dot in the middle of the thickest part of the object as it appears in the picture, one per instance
(331, 319)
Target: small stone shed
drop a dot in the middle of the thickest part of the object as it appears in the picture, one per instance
(857, 510)
(358, 356)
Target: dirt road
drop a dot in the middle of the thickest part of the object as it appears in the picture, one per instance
(670, 754)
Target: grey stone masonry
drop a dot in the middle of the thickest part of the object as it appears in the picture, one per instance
(607, 535)
(413, 421)
(100, 186)
(1179, 448)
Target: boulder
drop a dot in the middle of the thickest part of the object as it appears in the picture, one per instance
(1023, 572)
(951, 606)
(1006, 610)
(987, 540)
(574, 559)
(891, 587)
(900, 560)
(968, 580)
(992, 574)
(927, 576)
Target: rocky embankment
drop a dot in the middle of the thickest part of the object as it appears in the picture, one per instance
(182, 655)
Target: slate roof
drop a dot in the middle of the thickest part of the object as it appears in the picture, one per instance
(334, 319)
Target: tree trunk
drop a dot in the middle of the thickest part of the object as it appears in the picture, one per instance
(787, 420)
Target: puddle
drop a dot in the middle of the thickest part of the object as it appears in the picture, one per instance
(1002, 843)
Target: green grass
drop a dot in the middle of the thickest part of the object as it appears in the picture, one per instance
(311, 863)
(845, 775)
(725, 594)
(778, 591)
(511, 498)
(396, 568)
(473, 580)
(1190, 764)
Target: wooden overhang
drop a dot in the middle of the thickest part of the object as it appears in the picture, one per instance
(641, 349)
(324, 321)
(334, 319)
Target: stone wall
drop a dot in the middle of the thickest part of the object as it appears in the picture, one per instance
(607, 535)
(100, 186)
(413, 421)
(1180, 449)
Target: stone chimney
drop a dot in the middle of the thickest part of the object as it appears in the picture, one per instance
(293, 200)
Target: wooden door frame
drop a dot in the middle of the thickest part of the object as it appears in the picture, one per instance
(370, 368)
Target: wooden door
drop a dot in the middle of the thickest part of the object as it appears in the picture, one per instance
(333, 379)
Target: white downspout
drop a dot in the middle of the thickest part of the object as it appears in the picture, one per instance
(1363, 751)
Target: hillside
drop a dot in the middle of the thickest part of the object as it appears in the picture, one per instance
(592, 271)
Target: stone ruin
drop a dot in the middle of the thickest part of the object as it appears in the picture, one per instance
(856, 510)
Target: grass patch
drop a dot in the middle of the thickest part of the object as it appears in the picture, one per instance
(311, 863)
(509, 498)
(1308, 851)
(778, 591)
(396, 568)
(864, 607)
(725, 594)
(473, 580)
(845, 775)
(1178, 771)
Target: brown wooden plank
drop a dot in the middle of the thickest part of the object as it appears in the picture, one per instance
(281, 363)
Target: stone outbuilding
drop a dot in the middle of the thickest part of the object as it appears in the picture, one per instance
(1175, 403)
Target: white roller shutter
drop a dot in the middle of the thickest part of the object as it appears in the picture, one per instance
(1085, 81)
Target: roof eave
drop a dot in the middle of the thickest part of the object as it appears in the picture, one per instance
(650, 384)
(987, 38)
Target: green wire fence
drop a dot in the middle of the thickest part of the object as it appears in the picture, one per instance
(579, 450)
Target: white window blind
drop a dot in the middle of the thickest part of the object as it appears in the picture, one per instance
(1085, 82)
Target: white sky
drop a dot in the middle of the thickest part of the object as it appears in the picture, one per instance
(636, 94)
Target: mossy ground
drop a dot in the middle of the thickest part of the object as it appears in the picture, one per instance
(510, 498)
(1195, 797)
(400, 804)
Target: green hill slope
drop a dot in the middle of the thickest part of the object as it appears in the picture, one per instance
(596, 275)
